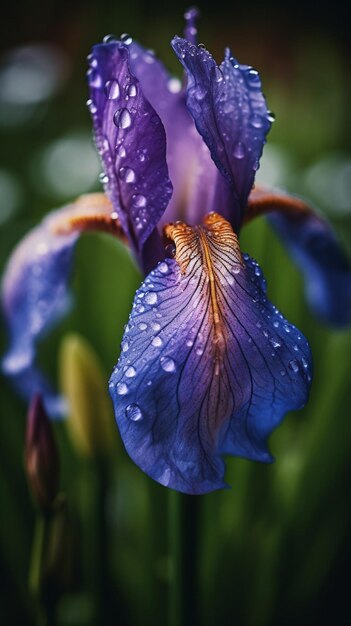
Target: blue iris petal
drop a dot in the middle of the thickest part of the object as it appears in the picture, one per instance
(326, 269)
(195, 380)
(35, 293)
(230, 113)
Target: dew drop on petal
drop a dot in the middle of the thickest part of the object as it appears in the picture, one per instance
(127, 174)
(130, 372)
(142, 326)
(132, 91)
(125, 346)
(121, 151)
(126, 38)
(112, 89)
(239, 150)
(103, 178)
(122, 118)
(294, 366)
(163, 267)
(133, 412)
(138, 200)
(151, 297)
(157, 342)
(122, 389)
(91, 106)
(167, 364)
(109, 38)
(256, 121)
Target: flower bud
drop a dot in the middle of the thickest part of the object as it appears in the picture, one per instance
(41, 456)
(90, 423)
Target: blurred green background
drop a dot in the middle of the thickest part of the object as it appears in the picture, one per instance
(275, 550)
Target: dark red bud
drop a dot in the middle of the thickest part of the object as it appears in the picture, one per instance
(41, 456)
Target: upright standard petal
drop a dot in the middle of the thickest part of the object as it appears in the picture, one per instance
(191, 169)
(230, 113)
(208, 365)
(315, 249)
(35, 287)
(131, 140)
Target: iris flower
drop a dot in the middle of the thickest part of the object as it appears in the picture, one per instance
(208, 365)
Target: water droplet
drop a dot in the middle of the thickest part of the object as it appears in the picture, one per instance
(112, 89)
(163, 267)
(189, 343)
(109, 38)
(157, 342)
(270, 116)
(91, 106)
(127, 39)
(275, 343)
(122, 118)
(256, 121)
(155, 326)
(133, 412)
(125, 346)
(304, 363)
(94, 78)
(122, 389)
(103, 178)
(138, 200)
(294, 365)
(170, 250)
(286, 328)
(121, 151)
(199, 351)
(167, 364)
(151, 297)
(282, 372)
(142, 326)
(200, 93)
(130, 372)
(258, 271)
(132, 91)
(127, 174)
(174, 85)
(239, 150)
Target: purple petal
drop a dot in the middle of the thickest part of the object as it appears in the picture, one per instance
(35, 289)
(191, 169)
(314, 247)
(131, 141)
(326, 269)
(208, 365)
(231, 115)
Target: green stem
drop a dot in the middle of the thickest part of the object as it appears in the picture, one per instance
(183, 541)
(37, 565)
